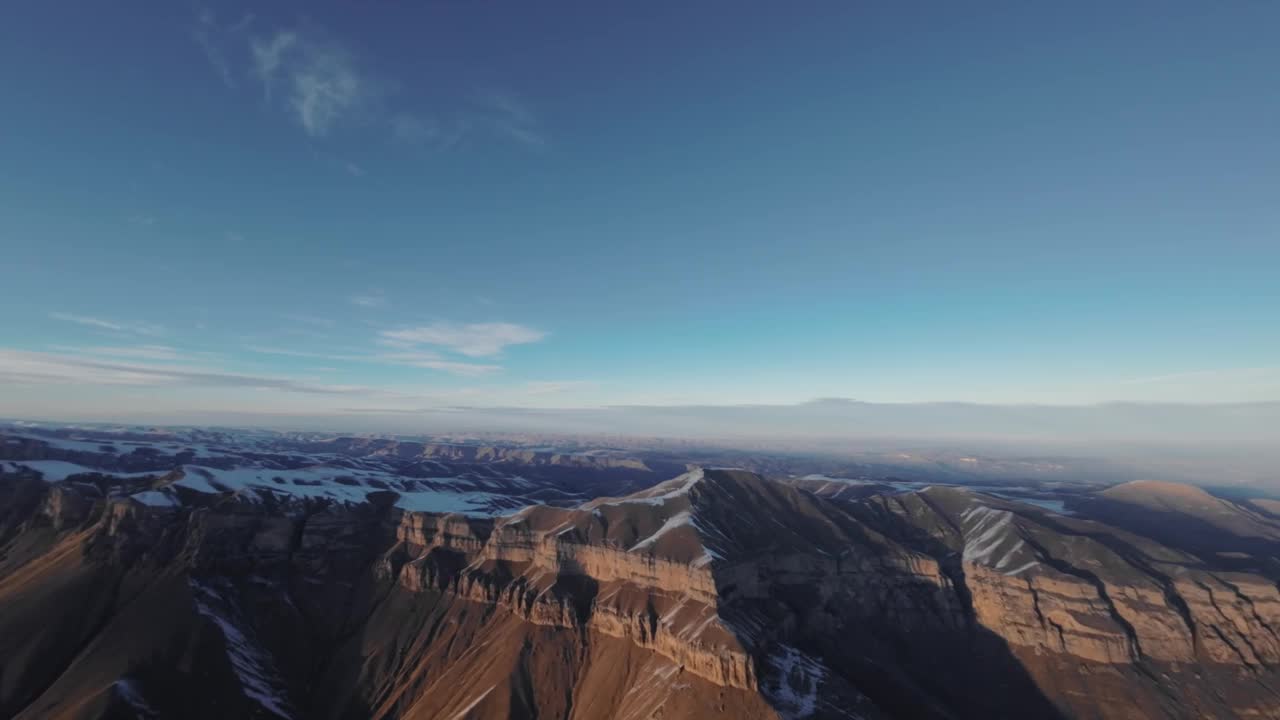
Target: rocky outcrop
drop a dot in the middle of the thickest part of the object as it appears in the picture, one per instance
(541, 576)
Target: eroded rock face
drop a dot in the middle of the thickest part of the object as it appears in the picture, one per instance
(715, 594)
(545, 578)
(1078, 592)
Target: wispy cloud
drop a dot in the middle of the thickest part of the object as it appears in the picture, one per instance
(308, 319)
(417, 130)
(125, 327)
(474, 340)
(323, 85)
(27, 367)
(268, 57)
(221, 43)
(407, 358)
(369, 300)
(142, 220)
(554, 387)
(508, 116)
(138, 352)
(204, 35)
(489, 114)
(1201, 375)
(287, 352)
(433, 361)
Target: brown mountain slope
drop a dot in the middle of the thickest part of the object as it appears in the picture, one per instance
(1106, 621)
(1239, 535)
(1196, 503)
(715, 594)
(1270, 507)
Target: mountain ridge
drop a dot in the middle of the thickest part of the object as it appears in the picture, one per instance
(714, 593)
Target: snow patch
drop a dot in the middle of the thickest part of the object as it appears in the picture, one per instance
(1023, 568)
(794, 688)
(322, 482)
(659, 494)
(252, 663)
(155, 498)
(128, 692)
(838, 480)
(59, 470)
(706, 558)
(463, 712)
(680, 519)
(82, 443)
(986, 530)
(68, 444)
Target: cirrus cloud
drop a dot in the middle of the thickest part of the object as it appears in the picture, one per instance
(554, 387)
(369, 300)
(472, 340)
(323, 84)
(409, 358)
(139, 352)
(135, 328)
(433, 361)
(31, 367)
(314, 76)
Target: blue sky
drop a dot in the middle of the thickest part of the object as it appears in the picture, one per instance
(314, 207)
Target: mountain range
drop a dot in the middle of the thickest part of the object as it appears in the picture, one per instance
(240, 575)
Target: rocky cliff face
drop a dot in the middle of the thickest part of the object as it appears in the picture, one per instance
(1101, 612)
(715, 594)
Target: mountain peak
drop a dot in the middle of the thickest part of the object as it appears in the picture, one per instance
(1158, 488)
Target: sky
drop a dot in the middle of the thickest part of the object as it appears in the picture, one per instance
(328, 208)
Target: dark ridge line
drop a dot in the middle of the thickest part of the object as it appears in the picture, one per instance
(1062, 566)
(1253, 609)
(1140, 561)
(1223, 637)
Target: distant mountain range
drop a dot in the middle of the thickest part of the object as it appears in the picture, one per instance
(1198, 443)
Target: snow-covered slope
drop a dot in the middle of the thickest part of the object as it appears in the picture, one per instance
(180, 467)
